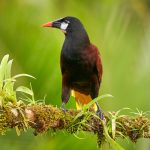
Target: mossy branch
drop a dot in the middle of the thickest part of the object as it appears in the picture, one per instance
(42, 117)
(14, 113)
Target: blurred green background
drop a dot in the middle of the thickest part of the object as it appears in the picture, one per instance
(120, 29)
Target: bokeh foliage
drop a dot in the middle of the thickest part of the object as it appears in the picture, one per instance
(121, 30)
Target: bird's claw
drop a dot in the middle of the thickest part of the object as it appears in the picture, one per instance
(63, 108)
(100, 114)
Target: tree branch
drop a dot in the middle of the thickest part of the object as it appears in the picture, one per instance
(42, 117)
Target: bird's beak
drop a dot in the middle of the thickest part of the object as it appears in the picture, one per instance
(57, 24)
(53, 24)
(48, 24)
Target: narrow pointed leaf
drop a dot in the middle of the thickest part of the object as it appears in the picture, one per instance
(24, 90)
(8, 70)
(114, 144)
(8, 84)
(3, 67)
(96, 100)
(23, 75)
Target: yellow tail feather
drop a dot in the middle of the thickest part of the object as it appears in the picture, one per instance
(82, 99)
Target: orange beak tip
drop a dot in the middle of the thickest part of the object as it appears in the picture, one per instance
(49, 24)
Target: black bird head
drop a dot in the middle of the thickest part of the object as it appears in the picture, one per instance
(71, 26)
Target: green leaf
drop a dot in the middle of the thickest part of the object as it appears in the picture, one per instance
(23, 75)
(114, 144)
(25, 90)
(78, 115)
(17, 130)
(95, 100)
(8, 89)
(8, 84)
(1, 101)
(3, 67)
(8, 69)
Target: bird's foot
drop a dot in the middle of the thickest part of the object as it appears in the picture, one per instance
(63, 108)
(99, 112)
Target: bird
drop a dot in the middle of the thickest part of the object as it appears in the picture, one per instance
(80, 63)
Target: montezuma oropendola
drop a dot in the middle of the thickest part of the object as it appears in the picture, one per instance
(80, 62)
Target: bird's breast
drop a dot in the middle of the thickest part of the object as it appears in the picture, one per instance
(76, 59)
(77, 64)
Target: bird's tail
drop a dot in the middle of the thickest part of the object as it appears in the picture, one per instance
(82, 99)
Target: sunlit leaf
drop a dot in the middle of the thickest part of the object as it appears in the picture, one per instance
(8, 84)
(113, 121)
(96, 100)
(80, 138)
(17, 131)
(8, 69)
(3, 67)
(23, 75)
(24, 90)
(113, 143)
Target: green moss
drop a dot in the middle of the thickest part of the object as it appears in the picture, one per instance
(134, 127)
(42, 117)
(3, 123)
(46, 117)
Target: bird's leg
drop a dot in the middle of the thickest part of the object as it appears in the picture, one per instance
(65, 92)
(63, 107)
(65, 97)
(99, 112)
(94, 93)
